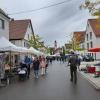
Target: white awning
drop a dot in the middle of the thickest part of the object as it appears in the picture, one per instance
(34, 51)
(6, 45)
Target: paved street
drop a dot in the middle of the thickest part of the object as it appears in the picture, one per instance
(55, 86)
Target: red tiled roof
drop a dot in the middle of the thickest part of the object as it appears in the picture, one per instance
(79, 36)
(95, 24)
(18, 28)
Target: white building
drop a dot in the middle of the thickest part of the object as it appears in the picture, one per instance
(21, 31)
(92, 37)
(4, 24)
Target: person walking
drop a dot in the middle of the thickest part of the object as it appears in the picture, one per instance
(78, 63)
(36, 64)
(46, 67)
(28, 61)
(73, 67)
(43, 65)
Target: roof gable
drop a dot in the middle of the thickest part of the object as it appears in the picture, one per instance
(18, 28)
(95, 25)
(3, 13)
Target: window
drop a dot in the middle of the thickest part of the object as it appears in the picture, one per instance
(90, 35)
(28, 36)
(2, 24)
(13, 42)
(82, 46)
(87, 45)
(87, 37)
(91, 44)
(27, 45)
(24, 44)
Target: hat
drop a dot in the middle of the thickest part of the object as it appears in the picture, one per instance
(72, 51)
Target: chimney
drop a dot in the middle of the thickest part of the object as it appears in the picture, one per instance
(12, 19)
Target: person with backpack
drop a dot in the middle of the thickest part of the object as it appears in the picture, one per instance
(73, 67)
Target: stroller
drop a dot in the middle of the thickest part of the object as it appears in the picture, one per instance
(22, 72)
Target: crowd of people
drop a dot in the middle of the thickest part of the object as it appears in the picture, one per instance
(40, 65)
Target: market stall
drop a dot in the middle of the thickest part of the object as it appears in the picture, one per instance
(7, 49)
(96, 67)
(35, 52)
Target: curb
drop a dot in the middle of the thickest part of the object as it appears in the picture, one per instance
(91, 81)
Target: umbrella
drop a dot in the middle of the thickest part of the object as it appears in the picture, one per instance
(97, 49)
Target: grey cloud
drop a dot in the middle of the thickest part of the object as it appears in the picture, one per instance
(52, 23)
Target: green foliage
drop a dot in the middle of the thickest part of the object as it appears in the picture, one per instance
(32, 42)
(92, 7)
(35, 42)
(63, 50)
(51, 51)
(96, 13)
(80, 49)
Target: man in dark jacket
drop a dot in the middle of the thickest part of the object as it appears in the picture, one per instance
(36, 64)
(73, 67)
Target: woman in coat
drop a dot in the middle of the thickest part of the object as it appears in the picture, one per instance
(43, 65)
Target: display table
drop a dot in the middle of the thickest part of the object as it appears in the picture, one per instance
(91, 69)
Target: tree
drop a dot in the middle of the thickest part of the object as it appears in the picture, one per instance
(63, 49)
(93, 7)
(37, 43)
(32, 42)
(51, 51)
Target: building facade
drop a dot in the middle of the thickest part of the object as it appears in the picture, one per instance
(4, 24)
(21, 31)
(92, 37)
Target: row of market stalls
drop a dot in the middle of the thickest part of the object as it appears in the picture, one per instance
(6, 46)
(11, 55)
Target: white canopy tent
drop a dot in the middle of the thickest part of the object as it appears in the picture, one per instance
(5, 45)
(23, 50)
(34, 51)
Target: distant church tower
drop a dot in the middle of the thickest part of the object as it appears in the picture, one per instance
(55, 44)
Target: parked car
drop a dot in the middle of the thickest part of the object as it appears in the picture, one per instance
(88, 58)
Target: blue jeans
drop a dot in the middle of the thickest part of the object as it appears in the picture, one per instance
(36, 73)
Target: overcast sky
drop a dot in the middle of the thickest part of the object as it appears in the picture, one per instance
(54, 23)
